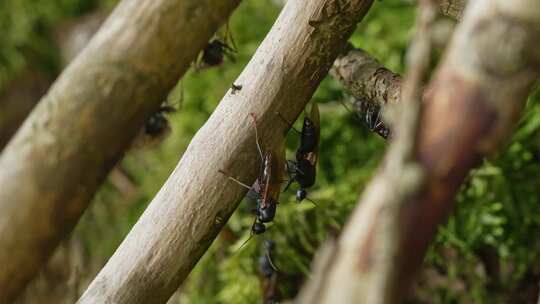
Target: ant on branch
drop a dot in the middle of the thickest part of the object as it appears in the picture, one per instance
(303, 169)
(158, 124)
(156, 128)
(214, 53)
(216, 50)
(266, 189)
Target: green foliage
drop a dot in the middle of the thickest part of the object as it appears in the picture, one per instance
(26, 30)
(497, 208)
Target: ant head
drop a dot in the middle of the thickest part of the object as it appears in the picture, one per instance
(300, 195)
(258, 228)
(308, 124)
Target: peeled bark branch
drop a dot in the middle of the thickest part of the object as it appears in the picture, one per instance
(78, 131)
(196, 201)
(471, 107)
(366, 78)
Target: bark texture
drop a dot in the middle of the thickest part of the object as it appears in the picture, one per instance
(471, 106)
(453, 8)
(196, 201)
(61, 154)
(366, 78)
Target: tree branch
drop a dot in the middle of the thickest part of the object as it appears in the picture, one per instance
(366, 78)
(471, 107)
(398, 178)
(196, 201)
(78, 131)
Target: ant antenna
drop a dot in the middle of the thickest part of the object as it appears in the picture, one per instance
(257, 135)
(228, 35)
(234, 179)
(245, 242)
(289, 182)
(251, 234)
(181, 97)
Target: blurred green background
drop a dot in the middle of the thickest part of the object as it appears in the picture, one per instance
(486, 253)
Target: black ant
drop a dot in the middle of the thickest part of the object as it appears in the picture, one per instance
(157, 124)
(155, 128)
(217, 49)
(235, 88)
(266, 188)
(214, 53)
(268, 273)
(304, 168)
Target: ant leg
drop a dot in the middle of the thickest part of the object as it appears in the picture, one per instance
(369, 119)
(378, 121)
(229, 55)
(289, 182)
(270, 261)
(251, 234)
(198, 64)
(290, 125)
(378, 126)
(245, 242)
(234, 179)
(311, 201)
(257, 136)
(290, 166)
(228, 34)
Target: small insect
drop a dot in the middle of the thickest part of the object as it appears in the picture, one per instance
(235, 88)
(268, 273)
(372, 117)
(303, 169)
(156, 128)
(214, 53)
(157, 124)
(266, 189)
